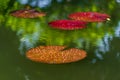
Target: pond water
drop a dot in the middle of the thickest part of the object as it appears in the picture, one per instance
(101, 41)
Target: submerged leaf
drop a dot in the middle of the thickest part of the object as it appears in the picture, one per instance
(27, 13)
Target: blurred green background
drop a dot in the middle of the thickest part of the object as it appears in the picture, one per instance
(100, 41)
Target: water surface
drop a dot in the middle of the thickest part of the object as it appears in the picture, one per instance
(100, 40)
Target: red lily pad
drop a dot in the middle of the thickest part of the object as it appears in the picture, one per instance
(67, 24)
(27, 13)
(89, 16)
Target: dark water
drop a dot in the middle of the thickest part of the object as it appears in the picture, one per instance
(100, 40)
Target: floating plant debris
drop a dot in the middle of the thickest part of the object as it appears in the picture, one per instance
(55, 54)
(67, 24)
(89, 16)
(27, 13)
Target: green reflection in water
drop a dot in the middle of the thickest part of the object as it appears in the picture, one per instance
(37, 30)
(33, 32)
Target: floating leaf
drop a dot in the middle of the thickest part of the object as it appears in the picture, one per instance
(67, 24)
(27, 13)
(89, 16)
(55, 54)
